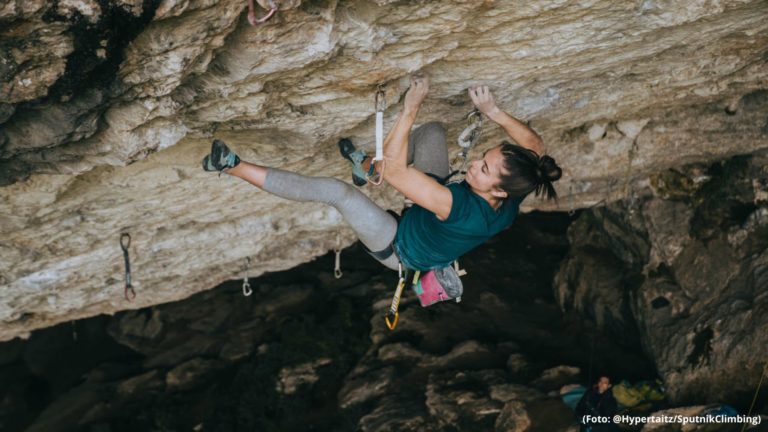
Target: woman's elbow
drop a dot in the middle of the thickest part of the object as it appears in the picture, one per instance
(537, 144)
(395, 169)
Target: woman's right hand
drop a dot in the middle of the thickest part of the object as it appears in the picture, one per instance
(483, 99)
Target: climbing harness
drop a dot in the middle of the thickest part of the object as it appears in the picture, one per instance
(125, 243)
(247, 291)
(252, 14)
(337, 262)
(763, 373)
(379, 104)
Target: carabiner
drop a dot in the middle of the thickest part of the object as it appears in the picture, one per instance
(337, 265)
(471, 134)
(247, 291)
(391, 317)
(391, 320)
(125, 243)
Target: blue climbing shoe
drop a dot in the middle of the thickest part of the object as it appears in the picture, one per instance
(220, 158)
(356, 156)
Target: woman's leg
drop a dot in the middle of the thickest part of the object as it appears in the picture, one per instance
(427, 150)
(374, 226)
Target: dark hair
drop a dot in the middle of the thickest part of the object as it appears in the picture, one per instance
(527, 172)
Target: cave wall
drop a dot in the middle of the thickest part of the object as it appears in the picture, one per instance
(682, 271)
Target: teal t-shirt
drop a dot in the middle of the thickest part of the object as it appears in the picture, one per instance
(424, 242)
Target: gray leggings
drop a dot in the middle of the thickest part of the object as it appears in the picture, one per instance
(376, 228)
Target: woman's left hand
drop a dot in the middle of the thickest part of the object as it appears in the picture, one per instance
(483, 99)
(416, 93)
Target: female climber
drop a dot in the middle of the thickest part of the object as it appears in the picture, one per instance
(445, 221)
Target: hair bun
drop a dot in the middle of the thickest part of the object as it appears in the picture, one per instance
(549, 170)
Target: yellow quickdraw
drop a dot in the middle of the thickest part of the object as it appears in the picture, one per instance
(392, 316)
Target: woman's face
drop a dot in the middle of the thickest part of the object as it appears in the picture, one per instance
(484, 175)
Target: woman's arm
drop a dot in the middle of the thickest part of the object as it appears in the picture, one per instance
(414, 184)
(517, 130)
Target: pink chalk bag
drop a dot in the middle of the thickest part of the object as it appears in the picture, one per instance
(431, 287)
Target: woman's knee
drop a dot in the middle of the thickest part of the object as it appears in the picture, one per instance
(338, 191)
(430, 134)
(433, 127)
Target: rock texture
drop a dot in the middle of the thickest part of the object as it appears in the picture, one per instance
(106, 109)
(310, 352)
(684, 272)
(313, 353)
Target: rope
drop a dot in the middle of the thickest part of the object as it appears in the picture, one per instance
(763, 372)
(129, 293)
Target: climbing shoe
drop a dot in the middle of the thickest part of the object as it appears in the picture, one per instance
(352, 154)
(220, 158)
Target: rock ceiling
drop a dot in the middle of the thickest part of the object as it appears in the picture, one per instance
(106, 111)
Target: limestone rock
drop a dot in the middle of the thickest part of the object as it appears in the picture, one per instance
(396, 413)
(487, 401)
(463, 395)
(66, 412)
(399, 352)
(690, 287)
(32, 58)
(141, 384)
(102, 128)
(291, 378)
(517, 363)
(556, 377)
(507, 392)
(513, 418)
(468, 354)
(358, 390)
(186, 375)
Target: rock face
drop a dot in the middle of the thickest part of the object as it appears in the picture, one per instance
(323, 361)
(308, 351)
(684, 272)
(106, 109)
